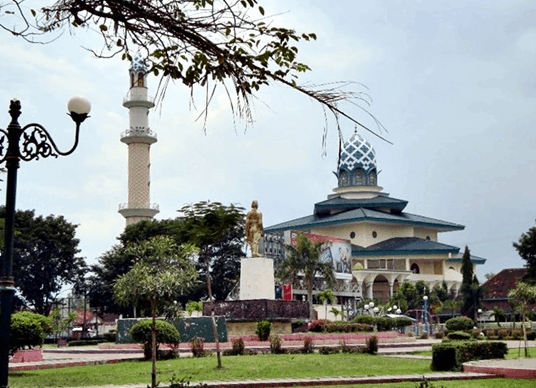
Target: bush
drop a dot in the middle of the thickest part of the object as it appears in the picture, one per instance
(424, 335)
(275, 344)
(344, 327)
(329, 349)
(371, 346)
(238, 347)
(401, 322)
(459, 335)
(299, 326)
(197, 345)
(531, 335)
(451, 356)
(459, 324)
(307, 345)
(166, 333)
(317, 325)
(365, 319)
(85, 342)
(28, 330)
(439, 335)
(263, 330)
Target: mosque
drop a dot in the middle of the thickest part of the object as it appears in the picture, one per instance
(388, 246)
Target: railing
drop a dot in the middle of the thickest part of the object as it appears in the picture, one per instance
(153, 206)
(137, 131)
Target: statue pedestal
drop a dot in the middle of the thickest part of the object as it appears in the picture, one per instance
(257, 278)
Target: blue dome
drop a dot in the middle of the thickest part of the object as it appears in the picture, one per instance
(138, 64)
(357, 165)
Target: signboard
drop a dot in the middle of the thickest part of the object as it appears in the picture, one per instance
(335, 251)
(287, 291)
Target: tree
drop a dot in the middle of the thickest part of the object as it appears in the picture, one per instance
(470, 288)
(209, 225)
(161, 272)
(203, 43)
(44, 258)
(303, 261)
(325, 297)
(526, 247)
(498, 313)
(523, 296)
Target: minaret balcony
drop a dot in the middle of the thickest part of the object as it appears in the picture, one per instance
(138, 135)
(148, 211)
(137, 97)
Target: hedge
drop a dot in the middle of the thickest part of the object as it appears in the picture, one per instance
(459, 335)
(451, 356)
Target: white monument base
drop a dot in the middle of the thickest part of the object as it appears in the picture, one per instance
(257, 278)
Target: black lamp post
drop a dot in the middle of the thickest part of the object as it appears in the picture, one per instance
(27, 143)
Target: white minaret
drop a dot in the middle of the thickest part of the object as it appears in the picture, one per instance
(139, 139)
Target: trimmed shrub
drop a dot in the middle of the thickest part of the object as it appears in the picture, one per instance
(459, 335)
(531, 335)
(307, 345)
(275, 344)
(263, 330)
(85, 342)
(371, 347)
(439, 335)
(238, 346)
(345, 327)
(166, 333)
(197, 345)
(459, 324)
(28, 330)
(451, 356)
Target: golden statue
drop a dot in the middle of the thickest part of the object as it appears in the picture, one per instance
(254, 229)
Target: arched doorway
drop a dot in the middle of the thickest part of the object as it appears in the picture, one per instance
(380, 288)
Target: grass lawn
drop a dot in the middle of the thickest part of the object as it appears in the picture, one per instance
(486, 383)
(235, 368)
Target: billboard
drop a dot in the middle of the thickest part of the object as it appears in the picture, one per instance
(335, 251)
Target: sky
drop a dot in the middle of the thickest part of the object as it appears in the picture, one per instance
(453, 82)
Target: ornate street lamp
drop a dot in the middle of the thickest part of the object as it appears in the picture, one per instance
(23, 143)
(426, 328)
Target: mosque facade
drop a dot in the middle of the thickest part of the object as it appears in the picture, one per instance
(388, 245)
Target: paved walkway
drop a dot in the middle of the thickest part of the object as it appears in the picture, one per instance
(62, 357)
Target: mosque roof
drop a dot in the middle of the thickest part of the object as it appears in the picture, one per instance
(404, 246)
(138, 64)
(357, 153)
(382, 202)
(362, 214)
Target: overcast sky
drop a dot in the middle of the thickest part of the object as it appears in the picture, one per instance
(452, 81)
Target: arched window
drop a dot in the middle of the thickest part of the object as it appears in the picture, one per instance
(343, 179)
(131, 79)
(373, 179)
(358, 177)
(414, 268)
(140, 79)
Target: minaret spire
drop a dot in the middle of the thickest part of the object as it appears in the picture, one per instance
(139, 139)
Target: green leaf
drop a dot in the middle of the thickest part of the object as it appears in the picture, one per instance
(261, 10)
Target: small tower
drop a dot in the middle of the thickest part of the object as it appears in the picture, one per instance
(139, 139)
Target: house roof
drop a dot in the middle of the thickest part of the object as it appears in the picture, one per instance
(363, 215)
(498, 286)
(404, 246)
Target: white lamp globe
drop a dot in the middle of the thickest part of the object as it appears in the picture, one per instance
(395, 307)
(366, 307)
(376, 309)
(371, 304)
(399, 311)
(79, 105)
(425, 297)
